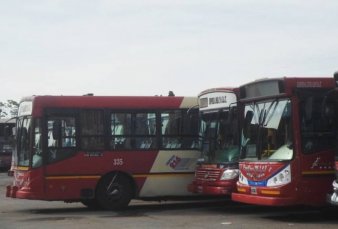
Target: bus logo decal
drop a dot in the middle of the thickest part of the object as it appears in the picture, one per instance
(178, 163)
(319, 164)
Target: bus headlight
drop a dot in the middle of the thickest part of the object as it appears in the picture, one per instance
(229, 174)
(242, 179)
(281, 178)
(335, 185)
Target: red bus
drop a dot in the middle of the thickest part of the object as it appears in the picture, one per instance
(104, 151)
(287, 147)
(217, 169)
(332, 102)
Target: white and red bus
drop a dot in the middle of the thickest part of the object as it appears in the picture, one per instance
(217, 169)
(104, 151)
(287, 146)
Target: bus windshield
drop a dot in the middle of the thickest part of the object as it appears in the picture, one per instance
(266, 131)
(219, 137)
(23, 140)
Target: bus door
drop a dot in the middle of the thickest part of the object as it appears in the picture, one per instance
(330, 111)
(61, 142)
(316, 143)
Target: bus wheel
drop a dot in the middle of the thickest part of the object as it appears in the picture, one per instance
(114, 192)
(91, 204)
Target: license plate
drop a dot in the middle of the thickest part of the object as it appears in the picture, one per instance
(254, 190)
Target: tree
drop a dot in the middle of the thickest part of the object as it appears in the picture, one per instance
(9, 109)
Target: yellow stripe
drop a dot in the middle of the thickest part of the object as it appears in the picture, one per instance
(318, 172)
(71, 177)
(270, 192)
(97, 177)
(24, 168)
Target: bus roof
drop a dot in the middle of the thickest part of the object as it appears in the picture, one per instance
(117, 102)
(298, 81)
(218, 89)
(271, 87)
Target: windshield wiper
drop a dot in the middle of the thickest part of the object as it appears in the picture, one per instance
(266, 121)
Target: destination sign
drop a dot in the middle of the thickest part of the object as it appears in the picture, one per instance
(309, 84)
(216, 100)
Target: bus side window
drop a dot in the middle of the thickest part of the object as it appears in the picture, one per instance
(61, 137)
(171, 129)
(190, 130)
(92, 130)
(120, 126)
(145, 130)
(178, 130)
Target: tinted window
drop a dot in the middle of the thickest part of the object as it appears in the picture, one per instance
(92, 130)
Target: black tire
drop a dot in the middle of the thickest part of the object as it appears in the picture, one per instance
(114, 192)
(91, 204)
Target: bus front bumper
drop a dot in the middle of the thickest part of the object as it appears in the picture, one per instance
(224, 188)
(11, 191)
(262, 200)
(20, 193)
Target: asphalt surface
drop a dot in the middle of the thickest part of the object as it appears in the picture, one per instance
(222, 213)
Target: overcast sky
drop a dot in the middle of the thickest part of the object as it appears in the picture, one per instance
(135, 47)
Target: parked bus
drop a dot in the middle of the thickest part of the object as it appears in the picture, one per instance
(332, 102)
(6, 126)
(217, 170)
(287, 147)
(104, 151)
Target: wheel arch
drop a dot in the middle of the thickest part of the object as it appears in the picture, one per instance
(124, 174)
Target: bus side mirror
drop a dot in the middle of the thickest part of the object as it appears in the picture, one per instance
(56, 129)
(328, 109)
(9, 132)
(6, 132)
(335, 76)
(14, 131)
(232, 113)
(248, 118)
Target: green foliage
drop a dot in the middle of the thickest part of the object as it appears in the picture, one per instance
(9, 109)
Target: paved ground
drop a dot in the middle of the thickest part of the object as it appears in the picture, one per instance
(28, 214)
